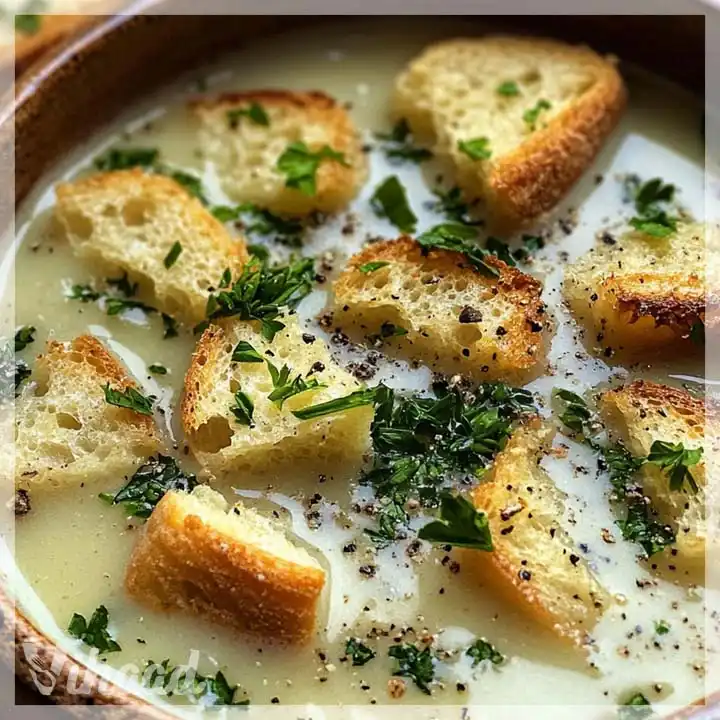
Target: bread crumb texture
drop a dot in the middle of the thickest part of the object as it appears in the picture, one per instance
(535, 563)
(642, 294)
(231, 566)
(131, 220)
(65, 430)
(277, 438)
(458, 320)
(245, 153)
(642, 412)
(542, 136)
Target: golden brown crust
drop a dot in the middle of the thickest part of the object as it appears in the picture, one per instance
(182, 562)
(522, 341)
(537, 175)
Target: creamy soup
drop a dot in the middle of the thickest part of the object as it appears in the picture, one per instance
(72, 548)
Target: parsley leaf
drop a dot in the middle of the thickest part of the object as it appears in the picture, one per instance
(117, 306)
(341, 404)
(662, 627)
(390, 201)
(456, 237)
(170, 326)
(576, 413)
(254, 112)
(285, 388)
(286, 231)
(451, 204)
(243, 409)
(94, 633)
(191, 183)
(148, 485)
(245, 352)
(460, 524)
(130, 399)
(28, 24)
(530, 117)
(652, 192)
(509, 88)
(158, 369)
(23, 337)
(173, 255)
(83, 293)
(476, 149)
(126, 158)
(398, 145)
(636, 707)
(300, 165)
(370, 267)
(622, 467)
(676, 461)
(260, 292)
(649, 199)
(639, 526)
(414, 663)
(123, 285)
(482, 650)
(359, 652)
(500, 249)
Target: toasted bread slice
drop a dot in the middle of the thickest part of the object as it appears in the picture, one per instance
(230, 565)
(277, 438)
(457, 319)
(65, 430)
(642, 412)
(451, 94)
(246, 153)
(131, 220)
(535, 563)
(642, 294)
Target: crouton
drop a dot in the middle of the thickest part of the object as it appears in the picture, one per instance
(458, 320)
(246, 152)
(66, 432)
(544, 107)
(642, 294)
(642, 412)
(534, 563)
(132, 220)
(231, 566)
(276, 439)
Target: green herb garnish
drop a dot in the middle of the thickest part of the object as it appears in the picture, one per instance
(398, 145)
(243, 409)
(530, 117)
(451, 204)
(286, 231)
(662, 627)
(509, 88)
(414, 663)
(94, 633)
(191, 183)
(28, 24)
(330, 407)
(460, 524)
(123, 285)
(390, 201)
(676, 461)
(652, 218)
(244, 352)
(371, 267)
(482, 650)
(126, 158)
(130, 399)
(117, 306)
(157, 369)
(575, 413)
(83, 293)
(359, 652)
(284, 388)
(173, 255)
(636, 707)
(148, 485)
(254, 112)
(170, 326)
(500, 249)
(458, 238)
(23, 337)
(300, 165)
(476, 149)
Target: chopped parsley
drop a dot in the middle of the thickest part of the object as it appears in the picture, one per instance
(371, 267)
(390, 201)
(284, 388)
(243, 409)
(123, 285)
(126, 158)
(482, 650)
(476, 149)
(286, 231)
(460, 525)
(28, 24)
(148, 485)
(414, 663)
(206, 690)
(191, 183)
(636, 707)
(509, 88)
(640, 526)
(173, 255)
(458, 238)
(662, 627)
(575, 412)
(254, 112)
(170, 326)
(500, 249)
(359, 652)
(130, 399)
(118, 305)
(451, 204)
(23, 337)
(158, 369)
(359, 398)
(651, 199)
(300, 165)
(95, 632)
(531, 116)
(387, 330)
(244, 352)
(398, 145)
(84, 293)
(261, 291)
(676, 461)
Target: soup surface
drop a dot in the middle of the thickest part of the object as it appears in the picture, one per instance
(72, 549)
